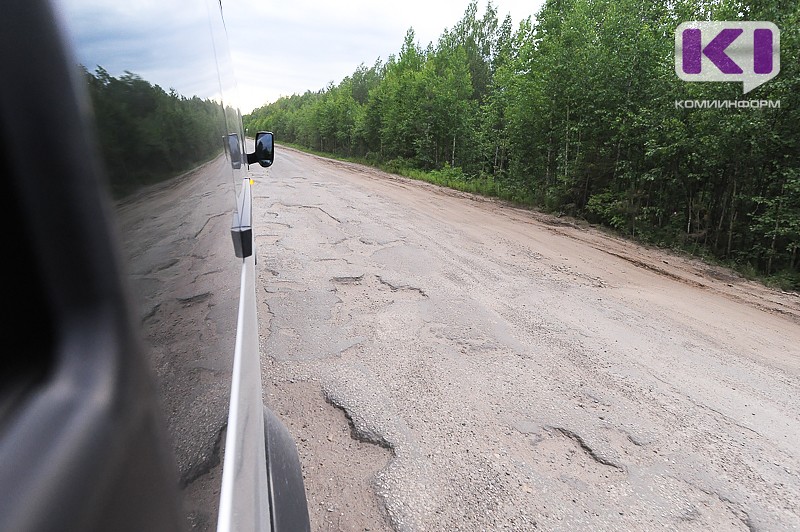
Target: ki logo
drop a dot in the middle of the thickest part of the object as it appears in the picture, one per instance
(748, 52)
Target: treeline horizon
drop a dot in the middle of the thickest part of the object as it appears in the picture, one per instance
(146, 134)
(575, 112)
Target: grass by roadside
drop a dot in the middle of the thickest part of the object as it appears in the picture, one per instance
(447, 177)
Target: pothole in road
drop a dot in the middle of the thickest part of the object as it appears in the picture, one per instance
(348, 279)
(339, 464)
(562, 453)
(377, 283)
(364, 436)
(586, 449)
(396, 287)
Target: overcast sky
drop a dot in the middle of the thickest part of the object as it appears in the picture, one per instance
(278, 48)
(289, 47)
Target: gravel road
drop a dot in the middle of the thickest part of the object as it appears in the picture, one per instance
(448, 362)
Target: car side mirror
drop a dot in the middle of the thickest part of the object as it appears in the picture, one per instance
(265, 149)
(234, 150)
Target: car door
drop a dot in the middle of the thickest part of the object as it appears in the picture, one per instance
(129, 189)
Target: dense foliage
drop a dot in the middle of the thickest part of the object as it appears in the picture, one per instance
(147, 134)
(575, 112)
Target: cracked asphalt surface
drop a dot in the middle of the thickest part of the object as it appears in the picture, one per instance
(186, 280)
(447, 362)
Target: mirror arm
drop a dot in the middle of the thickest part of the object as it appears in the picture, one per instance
(251, 158)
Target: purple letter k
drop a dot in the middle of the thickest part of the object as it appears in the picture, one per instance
(715, 51)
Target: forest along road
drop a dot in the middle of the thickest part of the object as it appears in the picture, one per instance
(503, 369)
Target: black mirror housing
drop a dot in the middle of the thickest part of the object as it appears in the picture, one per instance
(265, 149)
